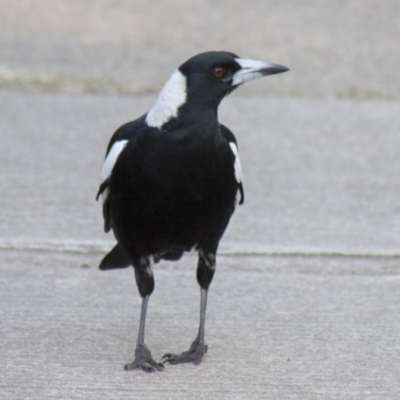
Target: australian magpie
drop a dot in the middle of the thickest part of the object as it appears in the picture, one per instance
(171, 181)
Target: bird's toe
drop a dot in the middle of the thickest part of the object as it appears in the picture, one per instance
(144, 366)
(194, 355)
(144, 361)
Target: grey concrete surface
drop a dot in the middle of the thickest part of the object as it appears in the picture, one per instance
(320, 176)
(334, 48)
(277, 329)
(305, 301)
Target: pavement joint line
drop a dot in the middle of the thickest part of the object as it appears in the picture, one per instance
(86, 247)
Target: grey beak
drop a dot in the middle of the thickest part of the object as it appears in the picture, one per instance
(252, 69)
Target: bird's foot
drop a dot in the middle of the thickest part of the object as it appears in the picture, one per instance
(194, 355)
(144, 361)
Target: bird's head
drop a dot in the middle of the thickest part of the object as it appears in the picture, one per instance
(214, 74)
(204, 80)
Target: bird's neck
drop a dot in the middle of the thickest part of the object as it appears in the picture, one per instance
(203, 118)
(176, 107)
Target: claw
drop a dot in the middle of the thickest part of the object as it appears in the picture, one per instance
(193, 355)
(159, 366)
(130, 367)
(144, 361)
(168, 358)
(146, 367)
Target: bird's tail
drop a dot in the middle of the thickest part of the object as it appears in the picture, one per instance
(116, 258)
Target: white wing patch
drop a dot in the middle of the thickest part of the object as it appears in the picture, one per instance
(238, 170)
(171, 97)
(111, 158)
(109, 163)
(237, 165)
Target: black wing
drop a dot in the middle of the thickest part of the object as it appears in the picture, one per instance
(117, 143)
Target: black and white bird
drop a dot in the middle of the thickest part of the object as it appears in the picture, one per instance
(171, 181)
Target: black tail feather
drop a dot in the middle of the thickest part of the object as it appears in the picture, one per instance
(116, 258)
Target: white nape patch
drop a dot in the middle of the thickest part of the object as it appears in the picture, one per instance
(237, 165)
(171, 97)
(250, 70)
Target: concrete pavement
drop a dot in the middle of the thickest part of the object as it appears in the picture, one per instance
(334, 48)
(305, 301)
(320, 176)
(277, 328)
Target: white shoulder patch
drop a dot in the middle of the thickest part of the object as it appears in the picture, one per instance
(237, 165)
(171, 97)
(111, 158)
(109, 163)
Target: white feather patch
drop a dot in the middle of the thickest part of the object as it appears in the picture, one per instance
(171, 97)
(111, 158)
(237, 165)
(238, 170)
(238, 197)
(109, 163)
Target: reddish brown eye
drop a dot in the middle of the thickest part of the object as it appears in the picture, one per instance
(218, 72)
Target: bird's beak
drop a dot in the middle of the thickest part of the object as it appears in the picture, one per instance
(251, 69)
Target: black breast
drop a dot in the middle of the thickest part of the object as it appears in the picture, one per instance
(172, 192)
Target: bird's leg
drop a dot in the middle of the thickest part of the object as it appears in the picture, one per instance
(143, 358)
(205, 273)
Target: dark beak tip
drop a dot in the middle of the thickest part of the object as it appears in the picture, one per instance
(278, 69)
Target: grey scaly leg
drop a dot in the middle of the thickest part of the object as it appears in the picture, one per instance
(195, 354)
(145, 281)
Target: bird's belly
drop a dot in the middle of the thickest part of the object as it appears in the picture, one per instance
(196, 220)
(156, 218)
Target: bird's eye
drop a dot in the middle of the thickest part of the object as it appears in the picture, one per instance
(218, 72)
